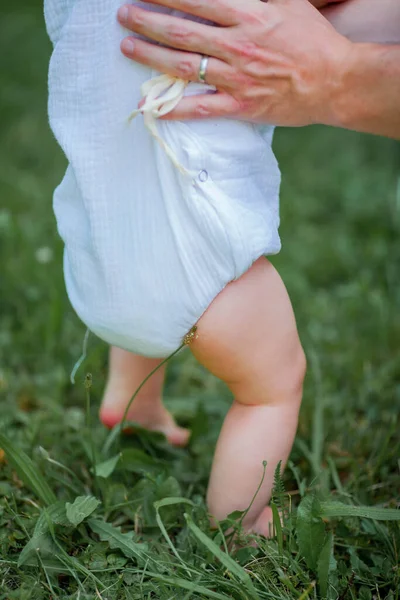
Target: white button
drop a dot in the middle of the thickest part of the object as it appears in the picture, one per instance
(203, 176)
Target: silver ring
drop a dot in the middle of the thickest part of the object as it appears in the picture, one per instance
(203, 69)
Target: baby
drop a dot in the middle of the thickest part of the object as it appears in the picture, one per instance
(164, 234)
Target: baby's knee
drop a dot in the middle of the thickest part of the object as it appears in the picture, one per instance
(287, 383)
(248, 338)
(282, 384)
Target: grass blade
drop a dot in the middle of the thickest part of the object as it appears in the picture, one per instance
(27, 471)
(228, 562)
(73, 564)
(277, 526)
(317, 439)
(170, 502)
(188, 585)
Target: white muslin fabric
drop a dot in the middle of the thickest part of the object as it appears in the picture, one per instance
(154, 229)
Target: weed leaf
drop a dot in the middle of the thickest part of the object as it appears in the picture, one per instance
(326, 564)
(121, 541)
(338, 509)
(170, 501)
(41, 544)
(27, 471)
(235, 515)
(310, 530)
(40, 540)
(137, 461)
(278, 491)
(82, 507)
(106, 468)
(57, 514)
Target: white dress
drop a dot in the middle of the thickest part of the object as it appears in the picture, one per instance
(147, 247)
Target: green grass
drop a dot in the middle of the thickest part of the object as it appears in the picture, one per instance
(341, 263)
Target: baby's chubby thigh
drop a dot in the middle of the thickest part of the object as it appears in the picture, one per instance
(248, 338)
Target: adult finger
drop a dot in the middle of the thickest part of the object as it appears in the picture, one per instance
(222, 12)
(173, 31)
(184, 65)
(204, 106)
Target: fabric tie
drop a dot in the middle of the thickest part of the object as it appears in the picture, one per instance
(162, 94)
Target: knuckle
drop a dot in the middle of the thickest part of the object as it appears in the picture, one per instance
(244, 49)
(248, 50)
(256, 16)
(241, 81)
(202, 110)
(226, 45)
(237, 13)
(136, 17)
(242, 105)
(232, 108)
(185, 69)
(177, 33)
(193, 4)
(252, 19)
(252, 71)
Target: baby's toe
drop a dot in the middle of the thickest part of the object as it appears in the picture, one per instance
(178, 436)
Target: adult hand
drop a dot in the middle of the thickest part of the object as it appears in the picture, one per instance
(277, 62)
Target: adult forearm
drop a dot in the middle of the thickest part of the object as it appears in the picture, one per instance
(369, 93)
(366, 20)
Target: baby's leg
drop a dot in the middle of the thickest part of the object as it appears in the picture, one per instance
(126, 373)
(248, 338)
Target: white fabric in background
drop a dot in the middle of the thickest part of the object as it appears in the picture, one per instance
(147, 248)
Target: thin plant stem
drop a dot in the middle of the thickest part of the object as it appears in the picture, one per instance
(255, 495)
(143, 382)
(81, 358)
(88, 385)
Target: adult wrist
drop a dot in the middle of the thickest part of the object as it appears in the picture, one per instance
(331, 102)
(347, 105)
(367, 93)
(336, 106)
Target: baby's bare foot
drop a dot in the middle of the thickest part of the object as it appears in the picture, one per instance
(149, 413)
(264, 523)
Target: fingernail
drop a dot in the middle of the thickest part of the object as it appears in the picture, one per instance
(127, 45)
(123, 13)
